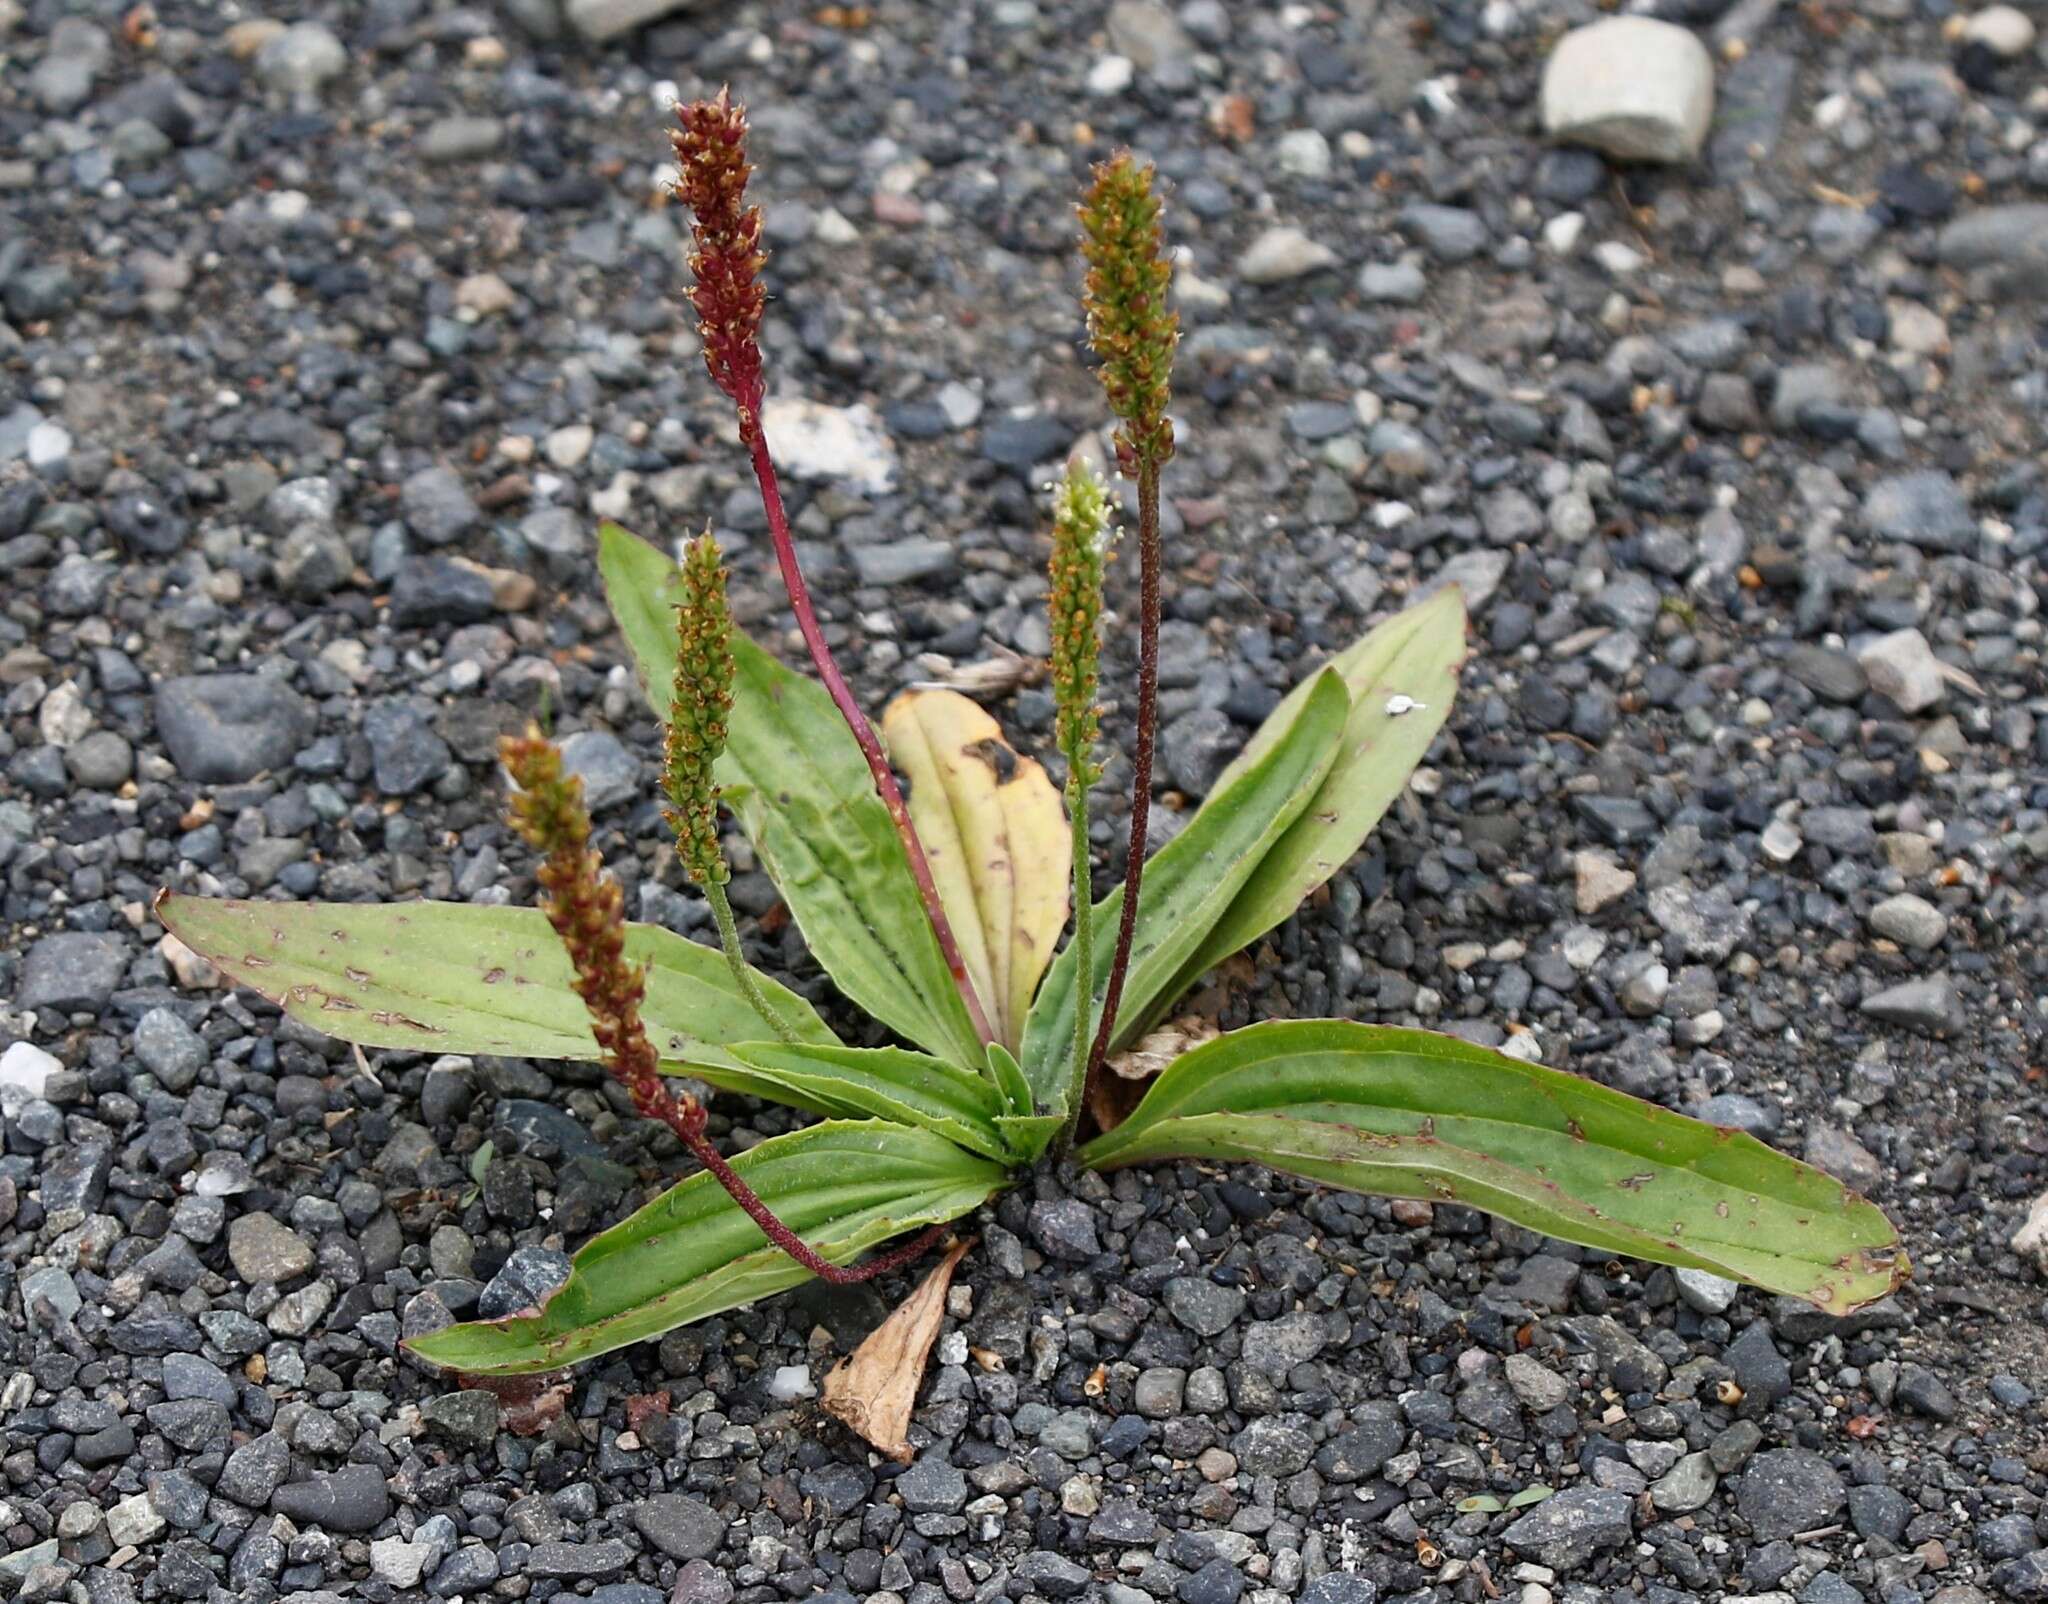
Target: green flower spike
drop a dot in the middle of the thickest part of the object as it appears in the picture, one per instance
(1080, 528)
(1129, 326)
(698, 713)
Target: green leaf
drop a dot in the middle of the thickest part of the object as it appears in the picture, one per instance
(1188, 885)
(889, 1083)
(1401, 678)
(1029, 1135)
(1008, 1076)
(453, 977)
(795, 779)
(1405, 1113)
(1534, 1493)
(1480, 1504)
(843, 1186)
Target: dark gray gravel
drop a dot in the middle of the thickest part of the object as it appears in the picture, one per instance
(330, 334)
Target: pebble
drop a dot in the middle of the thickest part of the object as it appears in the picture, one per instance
(683, 1527)
(2004, 30)
(300, 59)
(437, 506)
(1568, 1529)
(72, 972)
(1632, 87)
(351, 1499)
(1786, 1491)
(1281, 254)
(1902, 666)
(221, 729)
(1911, 921)
(1928, 1005)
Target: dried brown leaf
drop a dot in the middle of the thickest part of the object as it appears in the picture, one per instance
(873, 1389)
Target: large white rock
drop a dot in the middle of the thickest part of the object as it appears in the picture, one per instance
(1632, 87)
(846, 444)
(2003, 30)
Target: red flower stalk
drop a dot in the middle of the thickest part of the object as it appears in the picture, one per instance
(711, 150)
(585, 906)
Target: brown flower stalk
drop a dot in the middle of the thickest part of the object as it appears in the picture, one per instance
(1133, 335)
(585, 906)
(711, 155)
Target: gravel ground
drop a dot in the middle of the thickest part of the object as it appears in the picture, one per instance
(327, 337)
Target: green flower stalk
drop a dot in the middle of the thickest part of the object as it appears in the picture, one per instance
(1074, 597)
(699, 710)
(1133, 335)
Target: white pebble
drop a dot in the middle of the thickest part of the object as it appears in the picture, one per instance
(791, 1382)
(1111, 75)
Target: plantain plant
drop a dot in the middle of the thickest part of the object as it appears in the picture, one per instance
(938, 914)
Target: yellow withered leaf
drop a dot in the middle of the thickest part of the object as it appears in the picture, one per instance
(873, 1389)
(996, 835)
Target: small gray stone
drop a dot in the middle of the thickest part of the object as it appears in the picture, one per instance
(1448, 233)
(255, 1470)
(1392, 283)
(1196, 747)
(264, 1249)
(1201, 1305)
(354, 1498)
(468, 1417)
(1911, 921)
(1686, 1486)
(1147, 34)
(1929, 1005)
(221, 729)
(1540, 1388)
(1274, 1445)
(526, 1280)
(437, 506)
(1787, 1491)
(313, 562)
(1064, 1229)
(461, 138)
(610, 773)
(932, 1485)
(169, 1048)
(1925, 508)
(301, 59)
(2005, 247)
(904, 562)
(406, 753)
(1565, 1531)
(1705, 1291)
(1281, 254)
(72, 972)
(682, 1527)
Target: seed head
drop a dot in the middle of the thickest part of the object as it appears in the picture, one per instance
(583, 903)
(699, 711)
(1074, 597)
(1129, 326)
(726, 258)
